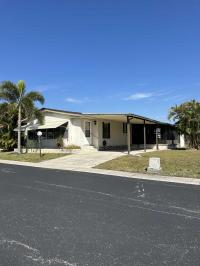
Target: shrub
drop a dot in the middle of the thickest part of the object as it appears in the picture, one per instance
(72, 147)
(7, 142)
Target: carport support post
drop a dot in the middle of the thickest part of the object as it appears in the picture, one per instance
(129, 133)
(157, 138)
(145, 142)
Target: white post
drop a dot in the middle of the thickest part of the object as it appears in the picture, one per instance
(128, 135)
(145, 141)
(182, 141)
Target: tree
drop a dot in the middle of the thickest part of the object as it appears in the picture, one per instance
(15, 95)
(187, 118)
(8, 121)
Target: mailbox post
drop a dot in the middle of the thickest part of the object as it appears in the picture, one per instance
(39, 134)
(158, 136)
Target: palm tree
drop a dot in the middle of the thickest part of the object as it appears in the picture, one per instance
(8, 121)
(24, 102)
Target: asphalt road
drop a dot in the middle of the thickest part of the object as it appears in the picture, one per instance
(50, 217)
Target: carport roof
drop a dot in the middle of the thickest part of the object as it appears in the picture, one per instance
(123, 118)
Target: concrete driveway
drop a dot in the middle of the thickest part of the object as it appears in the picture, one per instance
(82, 159)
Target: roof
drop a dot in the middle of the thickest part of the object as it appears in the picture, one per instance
(112, 116)
(59, 111)
(125, 115)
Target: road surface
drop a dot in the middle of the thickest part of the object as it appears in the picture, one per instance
(51, 217)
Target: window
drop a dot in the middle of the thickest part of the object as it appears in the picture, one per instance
(106, 130)
(87, 129)
(44, 133)
(59, 132)
(32, 135)
(50, 133)
(124, 128)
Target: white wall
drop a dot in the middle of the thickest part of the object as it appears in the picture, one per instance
(77, 132)
(182, 141)
(50, 117)
(117, 137)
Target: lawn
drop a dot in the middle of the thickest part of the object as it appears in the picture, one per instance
(29, 157)
(173, 162)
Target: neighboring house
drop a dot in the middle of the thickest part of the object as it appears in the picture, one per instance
(102, 131)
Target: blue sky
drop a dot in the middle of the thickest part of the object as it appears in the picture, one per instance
(104, 55)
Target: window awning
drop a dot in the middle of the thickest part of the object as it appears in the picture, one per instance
(49, 125)
(23, 128)
(55, 124)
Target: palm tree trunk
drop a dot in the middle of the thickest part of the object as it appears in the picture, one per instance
(19, 129)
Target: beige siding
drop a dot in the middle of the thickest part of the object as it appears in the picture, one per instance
(117, 137)
(76, 132)
(50, 117)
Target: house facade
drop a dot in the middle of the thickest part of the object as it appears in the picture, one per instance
(101, 131)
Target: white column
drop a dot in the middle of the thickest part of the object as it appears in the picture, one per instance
(182, 141)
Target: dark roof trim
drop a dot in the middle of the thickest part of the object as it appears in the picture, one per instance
(149, 119)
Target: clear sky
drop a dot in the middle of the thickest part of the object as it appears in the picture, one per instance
(104, 55)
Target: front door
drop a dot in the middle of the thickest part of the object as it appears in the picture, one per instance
(88, 132)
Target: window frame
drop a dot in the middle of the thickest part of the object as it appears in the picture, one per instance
(124, 128)
(87, 130)
(106, 130)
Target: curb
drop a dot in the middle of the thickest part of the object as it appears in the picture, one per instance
(170, 179)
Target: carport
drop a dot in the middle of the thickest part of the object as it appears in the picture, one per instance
(141, 132)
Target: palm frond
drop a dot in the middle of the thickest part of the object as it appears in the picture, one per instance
(36, 96)
(27, 107)
(38, 115)
(21, 85)
(9, 91)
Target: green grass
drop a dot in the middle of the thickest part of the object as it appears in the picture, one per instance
(29, 157)
(185, 163)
